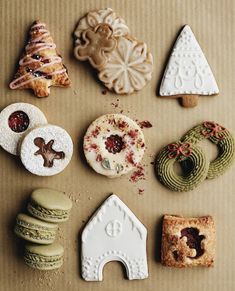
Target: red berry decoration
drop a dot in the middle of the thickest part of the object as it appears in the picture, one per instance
(114, 144)
(18, 121)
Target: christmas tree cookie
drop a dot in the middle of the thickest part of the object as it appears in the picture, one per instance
(40, 66)
(188, 74)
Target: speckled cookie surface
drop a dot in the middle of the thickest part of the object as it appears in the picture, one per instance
(46, 150)
(114, 145)
(15, 121)
(219, 136)
(188, 242)
(194, 165)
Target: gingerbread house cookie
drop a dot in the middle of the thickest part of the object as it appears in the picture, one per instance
(114, 233)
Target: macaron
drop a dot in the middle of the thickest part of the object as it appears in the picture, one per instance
(49, 205)
(35, 230)
(44, 257)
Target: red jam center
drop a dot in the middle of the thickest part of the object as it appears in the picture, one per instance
(114, 144)
(193, 240)
(18, 121)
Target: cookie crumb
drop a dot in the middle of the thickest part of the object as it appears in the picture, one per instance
(145, 124)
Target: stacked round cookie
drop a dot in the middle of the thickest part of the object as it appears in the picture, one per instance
(44, 149)
(46, 209)
(124, 63)
(195, 164)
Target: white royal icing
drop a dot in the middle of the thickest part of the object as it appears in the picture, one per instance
(188, 71)
(114, 233)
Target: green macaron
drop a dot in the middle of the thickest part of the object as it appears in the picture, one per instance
(44, 257)
(35, 230)
(49, 205)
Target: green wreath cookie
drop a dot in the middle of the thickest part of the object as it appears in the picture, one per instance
(194, 165)
(219, 136)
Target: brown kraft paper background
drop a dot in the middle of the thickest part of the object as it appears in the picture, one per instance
(157, 23)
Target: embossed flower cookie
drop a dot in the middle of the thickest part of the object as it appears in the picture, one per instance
(188, 74)
(188, 242)
(114, 145)
(40, 66)
(124, 63)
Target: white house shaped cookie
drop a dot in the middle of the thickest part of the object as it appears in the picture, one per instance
(114, 233)
(188, 73)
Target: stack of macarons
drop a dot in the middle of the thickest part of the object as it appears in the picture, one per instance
(47, 208)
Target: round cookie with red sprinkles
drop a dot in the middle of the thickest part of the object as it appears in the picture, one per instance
(114, 145)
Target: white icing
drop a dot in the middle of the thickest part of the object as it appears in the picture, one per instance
(129, 67)
(93, 18)
(33, 47)
(9, 139)
(127, 245)
(113, 165)
(188, 71)
(62, 142)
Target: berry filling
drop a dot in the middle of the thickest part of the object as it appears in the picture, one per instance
(114, 144)
(18, 121)
(193, 240)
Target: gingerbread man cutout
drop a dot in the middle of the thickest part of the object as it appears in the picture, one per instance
(97, 43)
(47, 152)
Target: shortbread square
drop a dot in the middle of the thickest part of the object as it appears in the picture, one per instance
(188, 242)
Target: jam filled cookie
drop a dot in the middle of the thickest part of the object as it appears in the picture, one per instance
(188, 242)
(219, 136)
(40, 66)
(188, 74)
(15, 121)
(46, 150)
(124, 63)
(114, 145)
(194, 164)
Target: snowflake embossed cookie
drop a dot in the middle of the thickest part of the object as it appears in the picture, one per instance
(124, 63)
(188, 74)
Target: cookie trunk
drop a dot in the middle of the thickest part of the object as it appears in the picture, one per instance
(189, 100)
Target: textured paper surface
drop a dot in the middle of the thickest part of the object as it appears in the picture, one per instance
(158, 23)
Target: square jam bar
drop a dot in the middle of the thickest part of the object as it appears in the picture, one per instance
(188, 242)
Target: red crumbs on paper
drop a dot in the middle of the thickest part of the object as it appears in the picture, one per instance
(140, 191)
(138, 174)
(145, 124)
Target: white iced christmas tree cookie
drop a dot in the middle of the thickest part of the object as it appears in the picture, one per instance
(114, 233)
(187, 74)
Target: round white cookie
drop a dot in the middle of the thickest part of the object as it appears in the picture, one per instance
(15, 121)
(114, 145)
(46, 150)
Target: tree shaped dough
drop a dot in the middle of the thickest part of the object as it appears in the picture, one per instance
(97, 43)
(40, 65)
(187, 74)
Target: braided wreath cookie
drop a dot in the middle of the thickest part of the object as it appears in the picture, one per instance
(194, 165)
(219, 136)
(114, 145)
